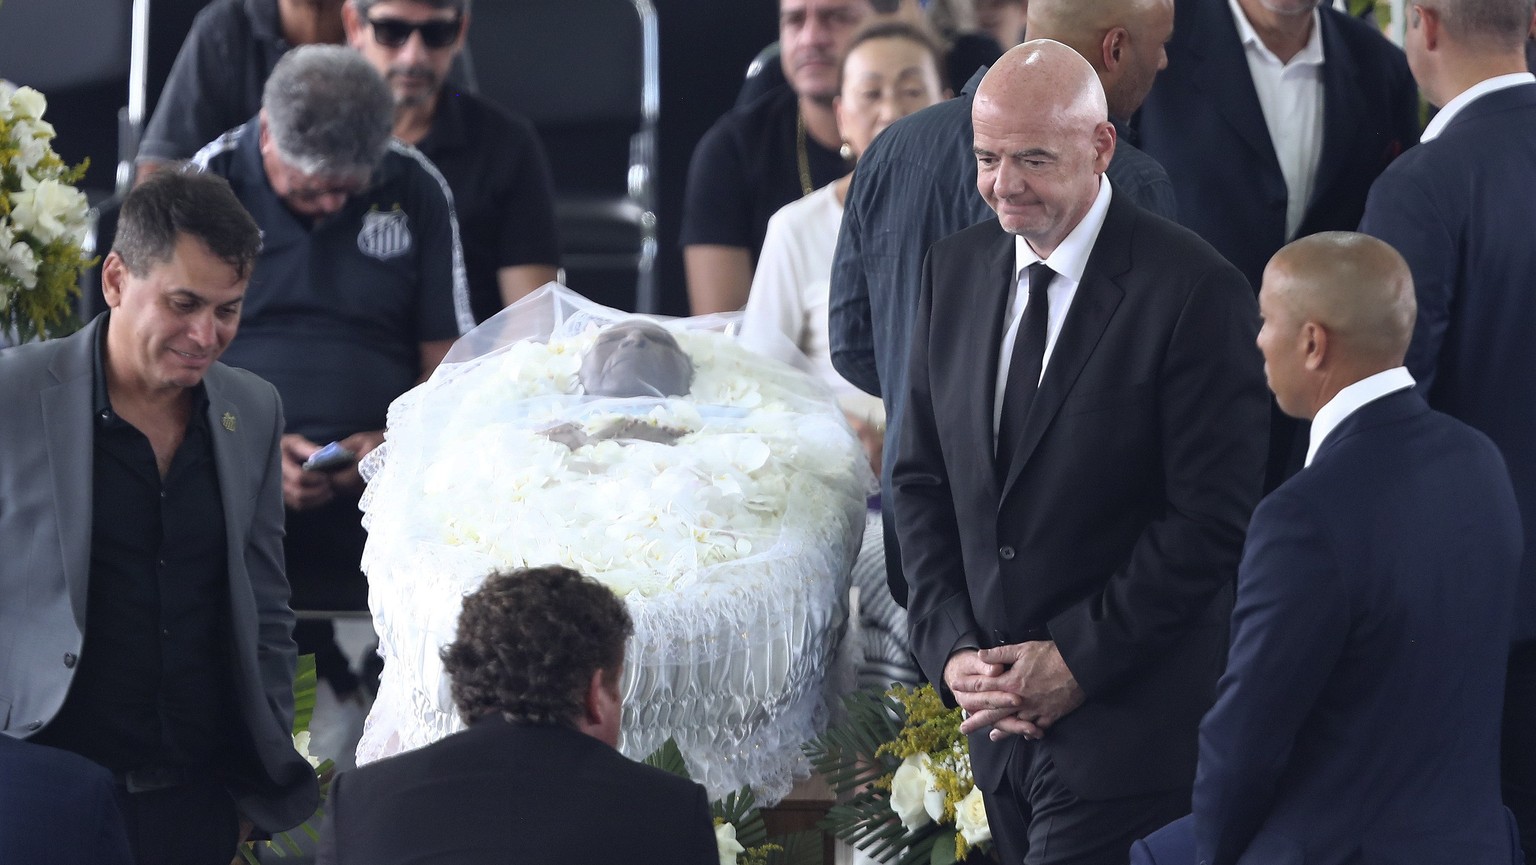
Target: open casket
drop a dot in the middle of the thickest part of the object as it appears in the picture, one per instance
(730, 536)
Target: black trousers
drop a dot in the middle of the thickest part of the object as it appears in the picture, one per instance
(1519, 746)
(191, 824)
(1036, 820)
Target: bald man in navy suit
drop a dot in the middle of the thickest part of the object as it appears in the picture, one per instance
(1358, 720)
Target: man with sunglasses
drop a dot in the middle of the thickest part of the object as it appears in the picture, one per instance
(357, 295)
(492, 159)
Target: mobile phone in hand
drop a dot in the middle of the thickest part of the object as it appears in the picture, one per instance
(331, 458)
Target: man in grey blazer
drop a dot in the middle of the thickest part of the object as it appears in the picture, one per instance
(144, 619)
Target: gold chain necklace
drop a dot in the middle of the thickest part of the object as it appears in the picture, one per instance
(802, 158)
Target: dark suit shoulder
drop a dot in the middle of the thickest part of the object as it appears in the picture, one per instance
(1159, 242)
(1393, 437)
(978, 236)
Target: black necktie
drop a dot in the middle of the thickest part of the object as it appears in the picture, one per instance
(1024, 368)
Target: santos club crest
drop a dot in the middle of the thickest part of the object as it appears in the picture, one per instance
(385, 234)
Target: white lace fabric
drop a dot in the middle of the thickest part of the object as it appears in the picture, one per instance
(731, 547)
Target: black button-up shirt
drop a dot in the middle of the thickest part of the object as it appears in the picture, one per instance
(153, 686)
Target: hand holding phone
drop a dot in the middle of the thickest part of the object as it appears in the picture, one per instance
(331, 458)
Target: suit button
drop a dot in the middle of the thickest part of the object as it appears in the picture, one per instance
(69, 659)
(34, 726)
(1006, 553)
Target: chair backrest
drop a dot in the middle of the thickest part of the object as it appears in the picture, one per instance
(56, 45)
(585, 72)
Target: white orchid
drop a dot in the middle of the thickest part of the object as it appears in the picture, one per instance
(725, 841)
(301, 744)
(16, 260)
(49, 210)
(26, 103)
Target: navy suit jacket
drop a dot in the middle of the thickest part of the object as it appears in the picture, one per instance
(1358, 720)
(57, 807)
(1461, 208)
(1203, 122)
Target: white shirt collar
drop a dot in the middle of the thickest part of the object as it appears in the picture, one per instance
(1438, 123)
(1311, 54)
(1070, 258)
(1351, 399)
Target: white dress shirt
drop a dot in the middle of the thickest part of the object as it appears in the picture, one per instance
(1351, 399)
(1069, 260)
(1466, 97)
(1291, 96)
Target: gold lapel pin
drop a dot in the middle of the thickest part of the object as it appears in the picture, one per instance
(229, 421)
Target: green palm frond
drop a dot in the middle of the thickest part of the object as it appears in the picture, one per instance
(740, 808)
(845, 755)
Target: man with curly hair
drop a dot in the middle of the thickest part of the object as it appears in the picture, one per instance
(536, 778)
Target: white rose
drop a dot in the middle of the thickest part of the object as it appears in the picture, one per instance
(48, 209)
(301, 744)
(933, 797)
(725, 840)
(909, 789)
(971, 818)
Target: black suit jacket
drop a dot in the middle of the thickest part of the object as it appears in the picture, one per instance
(531, 794)
(1375, 594)
(1118, 530)
(1461, 210)
(1203, 122)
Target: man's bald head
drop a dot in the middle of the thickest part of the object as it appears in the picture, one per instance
(1043, 75)
(1122, 39)
(1338, 307)
(1355, 285)
(1042, 140)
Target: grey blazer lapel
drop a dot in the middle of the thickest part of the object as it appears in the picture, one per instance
(1094, 304)
(229, 431)
(69, 431)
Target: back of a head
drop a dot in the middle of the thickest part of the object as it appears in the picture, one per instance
(1356, 286)
(328, 111)
(170, 204)
(1077, 22)
(1502, 25)
(529, 642)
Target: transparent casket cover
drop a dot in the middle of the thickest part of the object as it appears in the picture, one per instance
(727, 519)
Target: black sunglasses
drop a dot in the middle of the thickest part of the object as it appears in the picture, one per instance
(393, 32)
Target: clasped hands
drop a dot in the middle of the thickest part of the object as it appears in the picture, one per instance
(1019, 689)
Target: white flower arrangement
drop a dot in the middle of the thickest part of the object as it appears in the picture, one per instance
(905, 767)
(43, 221)
(742, 460)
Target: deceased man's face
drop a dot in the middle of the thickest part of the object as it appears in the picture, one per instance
(636, 358)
